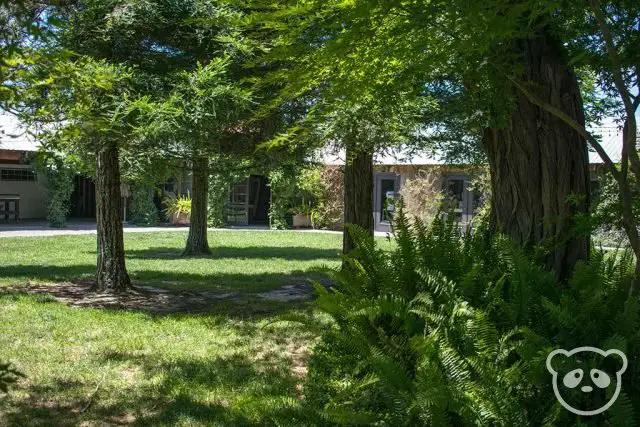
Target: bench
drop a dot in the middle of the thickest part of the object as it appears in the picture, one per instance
(6, 200)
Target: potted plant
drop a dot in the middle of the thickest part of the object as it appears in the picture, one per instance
(178, 209)
(302, 215)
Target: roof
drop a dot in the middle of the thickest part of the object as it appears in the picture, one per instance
(609, 134)
(13, 135)
(398, 157)
(611, 140)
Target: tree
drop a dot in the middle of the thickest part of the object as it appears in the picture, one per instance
(87, 108)
(363, 127)
(534, 207)
(211, 106)
(606, 45)
(468, 51)
(341, 111)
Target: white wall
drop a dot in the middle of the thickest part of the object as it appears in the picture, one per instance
(32, 194)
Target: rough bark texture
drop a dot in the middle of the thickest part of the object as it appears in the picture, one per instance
(537, 162)
(197, 242)
(358, 193)
(112, 274)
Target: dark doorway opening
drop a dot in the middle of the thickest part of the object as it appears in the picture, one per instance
(249, 202)
(83, 198)
(259, 200)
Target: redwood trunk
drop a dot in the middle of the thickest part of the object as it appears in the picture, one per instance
(197, 242)
(358, 193)
(112, 274)
(538, 163)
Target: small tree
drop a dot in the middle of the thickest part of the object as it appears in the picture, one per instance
(211, 106)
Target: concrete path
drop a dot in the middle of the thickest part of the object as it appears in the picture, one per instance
(28, 228)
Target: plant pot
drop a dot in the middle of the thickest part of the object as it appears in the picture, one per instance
(301, 221)
(180, 219)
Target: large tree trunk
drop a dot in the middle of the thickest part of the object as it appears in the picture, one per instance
(112, 274)
(358, 193)
(538, 163)
(197, 242)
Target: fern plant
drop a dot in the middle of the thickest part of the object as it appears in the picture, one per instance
(453, 328)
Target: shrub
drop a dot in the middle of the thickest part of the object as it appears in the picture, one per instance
(283, 183)
(58, 172)
(452, 328)
(329, 210)
(225, 174)
(422, 196)
(143, 209)
(607, 212)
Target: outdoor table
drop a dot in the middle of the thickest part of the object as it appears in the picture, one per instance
(5, 206)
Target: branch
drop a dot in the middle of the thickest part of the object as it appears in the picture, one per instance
(630, 105)
(572, 123)
(616, 67)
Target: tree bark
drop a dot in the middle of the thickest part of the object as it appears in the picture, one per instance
(538, 162)
(197, 242)
(112, 274)
(358, 193)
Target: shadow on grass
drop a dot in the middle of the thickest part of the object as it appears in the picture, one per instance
(175, 387)
(230, 391)
(253, 252)
(245, 281)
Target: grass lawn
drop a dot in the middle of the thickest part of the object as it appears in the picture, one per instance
(249, 261)
(236, 363)
(100, 367)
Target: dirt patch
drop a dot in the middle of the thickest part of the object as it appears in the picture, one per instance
(287, 293)
(150, 299)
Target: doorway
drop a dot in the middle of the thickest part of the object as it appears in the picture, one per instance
(465, 202)
(385, 191)
(249, 202)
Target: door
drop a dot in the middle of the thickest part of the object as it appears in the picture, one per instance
(238, 207)
(385, 192)
(464, 202)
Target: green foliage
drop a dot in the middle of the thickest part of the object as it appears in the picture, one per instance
(143, 210)
(227, 170)
(283, 183)
(608, 208)
(454, 329)
(179, 205)
(57, 172)
(311, 190)
(329, 209)
(8, 376)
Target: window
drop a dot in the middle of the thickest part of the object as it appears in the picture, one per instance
(387, 196)
(456, 196)
(17, 174)
(238, 193)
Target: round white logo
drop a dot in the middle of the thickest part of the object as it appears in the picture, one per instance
(587, 379)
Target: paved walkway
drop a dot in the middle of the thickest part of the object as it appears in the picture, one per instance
(27, 228)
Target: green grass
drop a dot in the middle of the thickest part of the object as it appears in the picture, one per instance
(236, 363)
(87, 367)
(249, 261)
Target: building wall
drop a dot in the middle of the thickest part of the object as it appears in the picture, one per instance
(439, 176)
(32, 194)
